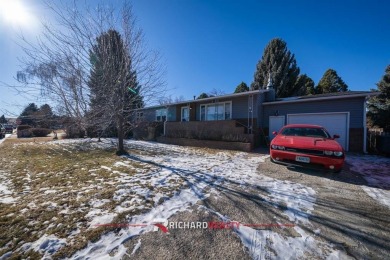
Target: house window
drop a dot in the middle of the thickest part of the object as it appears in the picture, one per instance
(216, 111)
(228, 111)
(139, 116)
(185, 114)
(161, 115)
(203, 113)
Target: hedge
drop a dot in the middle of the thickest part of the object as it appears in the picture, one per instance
(40, 132)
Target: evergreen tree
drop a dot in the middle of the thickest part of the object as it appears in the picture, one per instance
(305, 86)
(331, 82)
(3, 120)
(28, 116)
(379, 106)
(280, 63)
(242, 87)
(114, 89)
(203, 95)
(44, 116)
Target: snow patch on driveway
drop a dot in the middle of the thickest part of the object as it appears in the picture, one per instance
(376, 171)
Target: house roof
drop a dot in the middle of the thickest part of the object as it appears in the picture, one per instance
(327, 96)
(247, 93)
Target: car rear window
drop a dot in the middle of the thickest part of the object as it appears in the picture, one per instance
(305, 131)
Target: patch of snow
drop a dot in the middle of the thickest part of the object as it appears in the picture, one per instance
(5, 189)
(99, 217)
(50, 191)
(32, 205)
(382, 196)
(106, 168)
(8, 254)
(47, 245)
(98, 203)
(376, 171)
(23, 211)
(201, 176)
(109, 242)
(117, 164)
(136, 247)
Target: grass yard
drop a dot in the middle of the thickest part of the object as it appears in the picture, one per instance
(58, 191)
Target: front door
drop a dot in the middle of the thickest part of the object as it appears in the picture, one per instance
(185, 114)
(275, 124)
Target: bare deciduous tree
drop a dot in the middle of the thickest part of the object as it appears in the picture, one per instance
(61, 62)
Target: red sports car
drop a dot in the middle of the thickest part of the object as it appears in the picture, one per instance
(307, 145)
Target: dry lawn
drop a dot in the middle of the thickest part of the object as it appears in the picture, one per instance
(61, 187)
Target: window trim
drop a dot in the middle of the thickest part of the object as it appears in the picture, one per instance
(161, 115)
(139, 116)
(213, 104)
(181, 114)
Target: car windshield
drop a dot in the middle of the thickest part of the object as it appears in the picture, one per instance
(305, 131)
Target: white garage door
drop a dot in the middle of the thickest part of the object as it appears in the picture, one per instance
(335, 123)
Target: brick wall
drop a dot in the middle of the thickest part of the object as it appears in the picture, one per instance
(246, 147)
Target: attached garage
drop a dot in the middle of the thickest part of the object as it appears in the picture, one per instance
(342, 113)
(335, 123)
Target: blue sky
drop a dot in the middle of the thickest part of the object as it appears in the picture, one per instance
(216, 44)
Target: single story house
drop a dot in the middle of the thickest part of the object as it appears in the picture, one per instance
(252, 116)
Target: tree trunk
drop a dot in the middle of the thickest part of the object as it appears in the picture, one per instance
(121, 149)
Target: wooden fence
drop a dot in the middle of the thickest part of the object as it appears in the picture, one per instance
(378, 141)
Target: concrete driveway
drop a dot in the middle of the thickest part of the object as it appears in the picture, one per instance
(344, 222)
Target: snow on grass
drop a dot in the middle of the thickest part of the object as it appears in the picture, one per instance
(99, 217)
(47, 245)
(376, 171)
(5, 189)
(202, 174)
(113, 242)
(152, 184)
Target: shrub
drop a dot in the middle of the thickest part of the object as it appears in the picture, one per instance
(74, 132)
(23, 127)
(40, 132)
(26, 133)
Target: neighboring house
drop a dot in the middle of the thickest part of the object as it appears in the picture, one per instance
(251, 116)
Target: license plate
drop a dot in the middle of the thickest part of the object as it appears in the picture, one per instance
(302, 159)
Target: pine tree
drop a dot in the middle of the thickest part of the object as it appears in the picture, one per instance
(242, 87)
(114, 89)
(3, 120)
(44, 116)
(304, 86)
(203, 95)
(28, 116)
(331, 82)
(379, 106)
(280, 63)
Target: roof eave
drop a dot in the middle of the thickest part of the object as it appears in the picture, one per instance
(368, 94)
